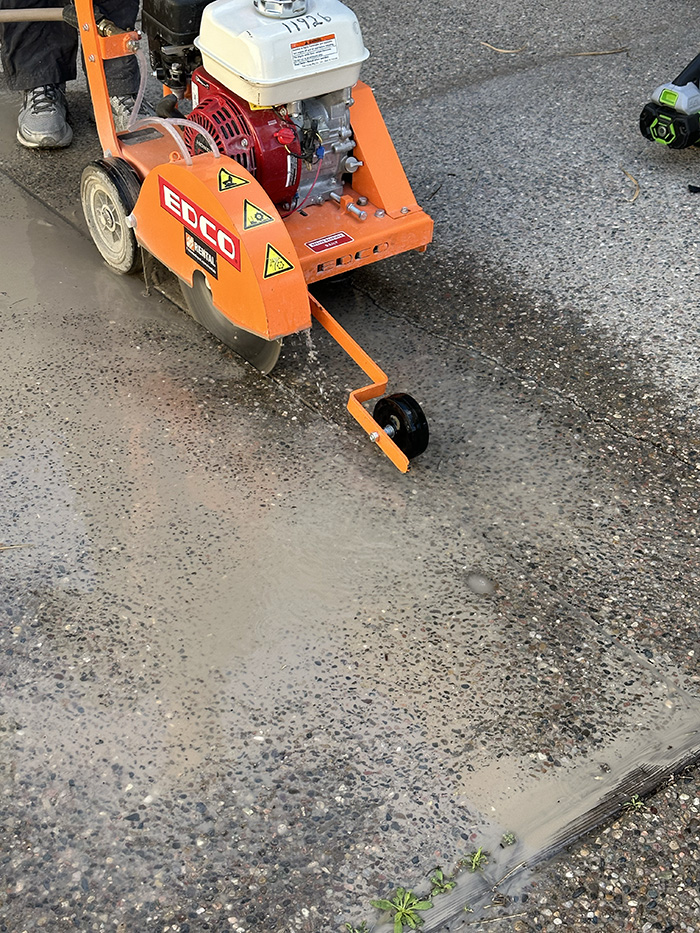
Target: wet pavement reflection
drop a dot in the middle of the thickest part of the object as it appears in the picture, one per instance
(252, 676)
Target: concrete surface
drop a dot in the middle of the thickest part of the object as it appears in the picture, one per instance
(252, 677)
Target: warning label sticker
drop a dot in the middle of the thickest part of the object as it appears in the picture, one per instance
(328, 242)
(254, 216)
(227, 180)
(309, 52)
(292, 169)
(275, 262)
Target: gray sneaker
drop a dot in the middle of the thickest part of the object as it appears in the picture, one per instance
(42, 120)
(122, 108)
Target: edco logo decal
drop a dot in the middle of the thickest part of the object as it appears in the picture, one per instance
(200, 222)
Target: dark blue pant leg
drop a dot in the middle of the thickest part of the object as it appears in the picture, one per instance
(45, 53)
(37, 53)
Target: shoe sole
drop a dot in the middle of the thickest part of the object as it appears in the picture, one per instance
(46, 142)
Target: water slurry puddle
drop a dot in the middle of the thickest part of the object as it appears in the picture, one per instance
(255, 676)
(588, 666)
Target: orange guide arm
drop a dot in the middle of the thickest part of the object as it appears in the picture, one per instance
(376, 388)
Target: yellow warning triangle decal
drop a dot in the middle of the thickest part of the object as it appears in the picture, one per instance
(227, 180)
(275, 262)
(254, 216)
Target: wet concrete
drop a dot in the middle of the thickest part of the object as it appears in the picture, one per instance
(252, 677)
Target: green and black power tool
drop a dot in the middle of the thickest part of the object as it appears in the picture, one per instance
(672, 117)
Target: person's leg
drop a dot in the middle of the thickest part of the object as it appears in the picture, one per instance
(122, 73)
(34, 54)
(38, 58)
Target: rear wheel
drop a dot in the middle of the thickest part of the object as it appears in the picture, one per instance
(259, 352)
(109, 189)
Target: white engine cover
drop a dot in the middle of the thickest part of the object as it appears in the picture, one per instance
(269, 62)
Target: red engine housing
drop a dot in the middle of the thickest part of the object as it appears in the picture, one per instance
(260, 139)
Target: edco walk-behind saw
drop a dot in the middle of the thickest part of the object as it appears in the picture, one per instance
(281, 174)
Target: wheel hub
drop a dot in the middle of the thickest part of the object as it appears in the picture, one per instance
(402, 419)
(108, 219)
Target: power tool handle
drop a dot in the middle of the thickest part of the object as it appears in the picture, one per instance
(690, 74)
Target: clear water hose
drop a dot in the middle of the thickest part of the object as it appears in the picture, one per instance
(191, 125)
(169, 126)
(143, 77)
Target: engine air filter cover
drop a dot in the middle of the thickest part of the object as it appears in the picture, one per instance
(270, 62)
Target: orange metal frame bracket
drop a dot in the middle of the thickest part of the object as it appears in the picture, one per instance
(376, 388)
(96, 49)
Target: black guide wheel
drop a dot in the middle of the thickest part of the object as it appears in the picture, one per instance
(402, 418)
(108, 192)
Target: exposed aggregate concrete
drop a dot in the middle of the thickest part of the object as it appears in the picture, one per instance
(551, 334)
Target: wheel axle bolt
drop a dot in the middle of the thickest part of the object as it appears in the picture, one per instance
(374, 437)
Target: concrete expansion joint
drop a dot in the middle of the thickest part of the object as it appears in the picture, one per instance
(32, 193)
(643, 441)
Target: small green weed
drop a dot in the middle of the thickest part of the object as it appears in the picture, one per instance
(403, 905)
(363, 928)
(440, 884)
(475, 861)
(635, 803)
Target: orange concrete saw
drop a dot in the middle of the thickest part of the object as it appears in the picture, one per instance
(266, 168)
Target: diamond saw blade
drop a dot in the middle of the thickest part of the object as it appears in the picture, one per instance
(259, 352)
